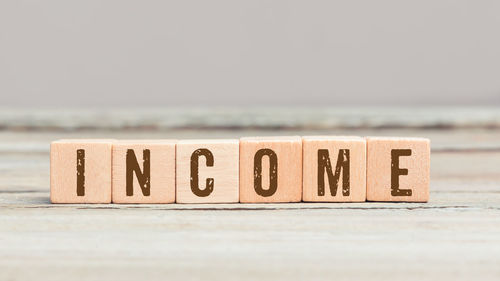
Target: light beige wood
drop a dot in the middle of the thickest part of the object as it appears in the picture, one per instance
(94, 163)
(352, 153)
(161, 178)
(288, 153)
(222, 174)
(384, 173)
(455, 236)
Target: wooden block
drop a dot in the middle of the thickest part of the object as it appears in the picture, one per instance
(270, 169)
(398, 169)
(144, 171)
(334, 169)
(80, 171)
(207, 171)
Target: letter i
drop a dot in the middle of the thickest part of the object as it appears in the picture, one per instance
(80, 172)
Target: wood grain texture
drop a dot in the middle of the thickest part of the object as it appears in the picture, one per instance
(161, 176)
(398, 169)
(287, 171)
(217, 166)
(87, 161)
(353, 149)
(455, 236)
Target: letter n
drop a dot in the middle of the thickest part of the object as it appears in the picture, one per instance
(143, 176)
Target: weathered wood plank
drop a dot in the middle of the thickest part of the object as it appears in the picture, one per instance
(237, 118)
(444, 239)
(456, 236)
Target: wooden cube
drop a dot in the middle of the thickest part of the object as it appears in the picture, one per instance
(334, 169)
(398, 169)
(270, 169)
(144, 171)
(80, 171)
(207, 171)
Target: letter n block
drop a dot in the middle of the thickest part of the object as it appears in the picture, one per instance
(270, 169)
(334, 169)
(398, 169)
(80, 171)
(144, 171)
(207, 171)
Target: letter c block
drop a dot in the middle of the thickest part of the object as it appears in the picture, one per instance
(207, 171)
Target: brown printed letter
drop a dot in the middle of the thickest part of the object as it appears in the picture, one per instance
(343, 161)
(143, 177)
(273, 172)
(80, 172)
(396, 172)
(195, 188)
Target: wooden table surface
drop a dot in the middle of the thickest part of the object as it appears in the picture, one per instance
(456, 236)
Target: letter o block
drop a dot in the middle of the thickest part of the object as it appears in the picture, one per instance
(80, 171)
(207, 171)
(334, 169)
(398, 169)
(144, 171)
(270, 169)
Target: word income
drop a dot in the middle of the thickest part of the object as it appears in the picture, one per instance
(248, 170)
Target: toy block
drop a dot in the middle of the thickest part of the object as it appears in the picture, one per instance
(270, 169)
(207, 171)
(334, 169)
(144, 171)
(398, 169)
(80, 171)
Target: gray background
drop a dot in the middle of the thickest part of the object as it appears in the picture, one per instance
(112, 53)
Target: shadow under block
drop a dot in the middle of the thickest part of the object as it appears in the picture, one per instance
(334, 169)
(80, 171)
(270, 169)
(398, 169)
(207, 171)
(144, 171)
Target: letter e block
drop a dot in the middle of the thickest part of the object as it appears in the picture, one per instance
(270, 169)
(398, 169)
(80, 171)
(144, 171)
(334, 169)
(207, 171)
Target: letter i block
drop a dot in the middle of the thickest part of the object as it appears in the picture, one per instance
(398, 169)
(334, 169)
(144, 171)
(270, 169)
(207, 171)
(80, 171)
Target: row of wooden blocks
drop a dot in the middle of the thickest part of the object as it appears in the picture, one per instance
(248, 170)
